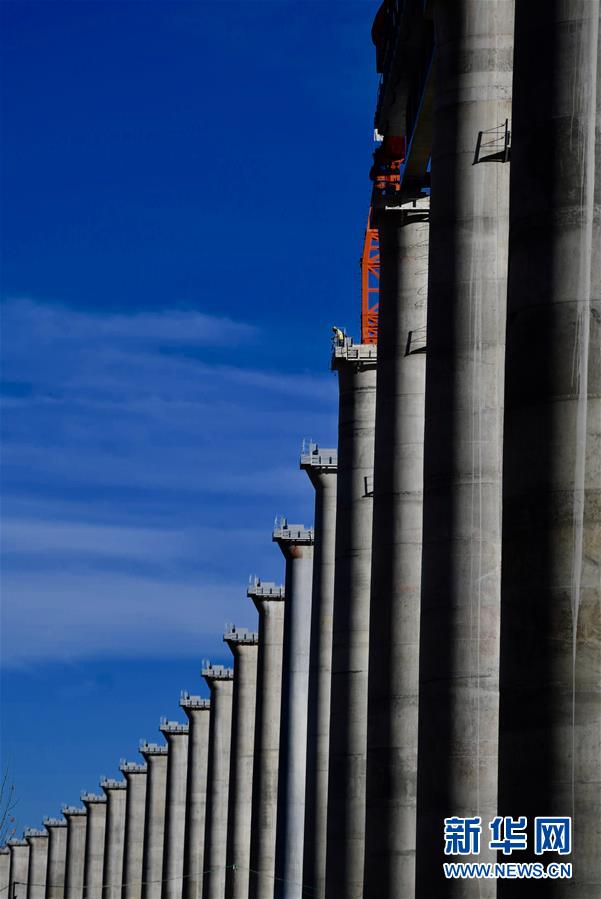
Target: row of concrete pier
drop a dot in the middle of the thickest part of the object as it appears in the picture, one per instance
(435, 650)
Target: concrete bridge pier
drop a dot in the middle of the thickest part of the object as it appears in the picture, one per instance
(268, 598)
(38, 862)
(198, 711)
(221, 683)
(114, 843)
(77, 823)
(296, 543)
(176, 735)
(135, 815)
(155, 756)
(321, 466)
(96, 805)
(57, 857)
(244, 646)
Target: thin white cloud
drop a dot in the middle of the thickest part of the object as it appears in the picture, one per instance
(141, 479)
(71, 616)
(54, 322)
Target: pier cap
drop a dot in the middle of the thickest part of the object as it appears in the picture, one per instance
(238, 635)
(313, 457)
(72, 811)
(132, 767)
(346, 351)
(31, 833)
(148, 749)
(111, 783)
(17, 841)
(187, 701)
(216, 672)
(55, 822)
(291, 533)
(92, 798)
(168, 728)
(258, 589)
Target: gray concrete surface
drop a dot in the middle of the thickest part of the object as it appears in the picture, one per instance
(136, 775)
(220, 681)
(321, 466)
(38, 862)
(268, 598)
(96, 805)
(461, 561)
(244, 646)
(176, 735)
(198, 711)
(296, 544)
(77, 822)
(19, 868)
(114, 843)
(356, 367)
(57, 857)
(155, 757)
(393, 683)
(4, 870)
(550, 716)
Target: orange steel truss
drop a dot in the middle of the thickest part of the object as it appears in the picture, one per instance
(370, 284)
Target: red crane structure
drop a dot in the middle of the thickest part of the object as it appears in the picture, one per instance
(370, 284)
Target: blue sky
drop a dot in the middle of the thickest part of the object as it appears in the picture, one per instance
(185, 188)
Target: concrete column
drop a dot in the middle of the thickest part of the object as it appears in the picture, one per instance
(135, 818)
(38, 863)
(57, 857)
(393, 683)
(220, 681)
(19, 868)
(268, 598)
(77, 823)
(176, 735)
(296, 543)
(4, 870)
(114, 844)
(550, 715)
(356, 367)
(198, 711)
(95, 834)
(244, 646)
(461, 559)
(321, 466)
(154, 818)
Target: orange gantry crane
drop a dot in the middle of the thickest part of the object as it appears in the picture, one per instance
(386, 175)
(370, 284)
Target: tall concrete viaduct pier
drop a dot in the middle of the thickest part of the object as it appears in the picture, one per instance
(114, 842)
(96, 805)
(198, 711)
(321, 466)
(296, 543)
(176, 735)
(4, 868)
(57, 857)
(396, 551)
(268, 598)
(550, 716)
(77, 822)
(19, 868)
(356, 367)
(38, 862)
(461, 561)
(244, 646)
(221, 682)
(135, 815)
(155, 756)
